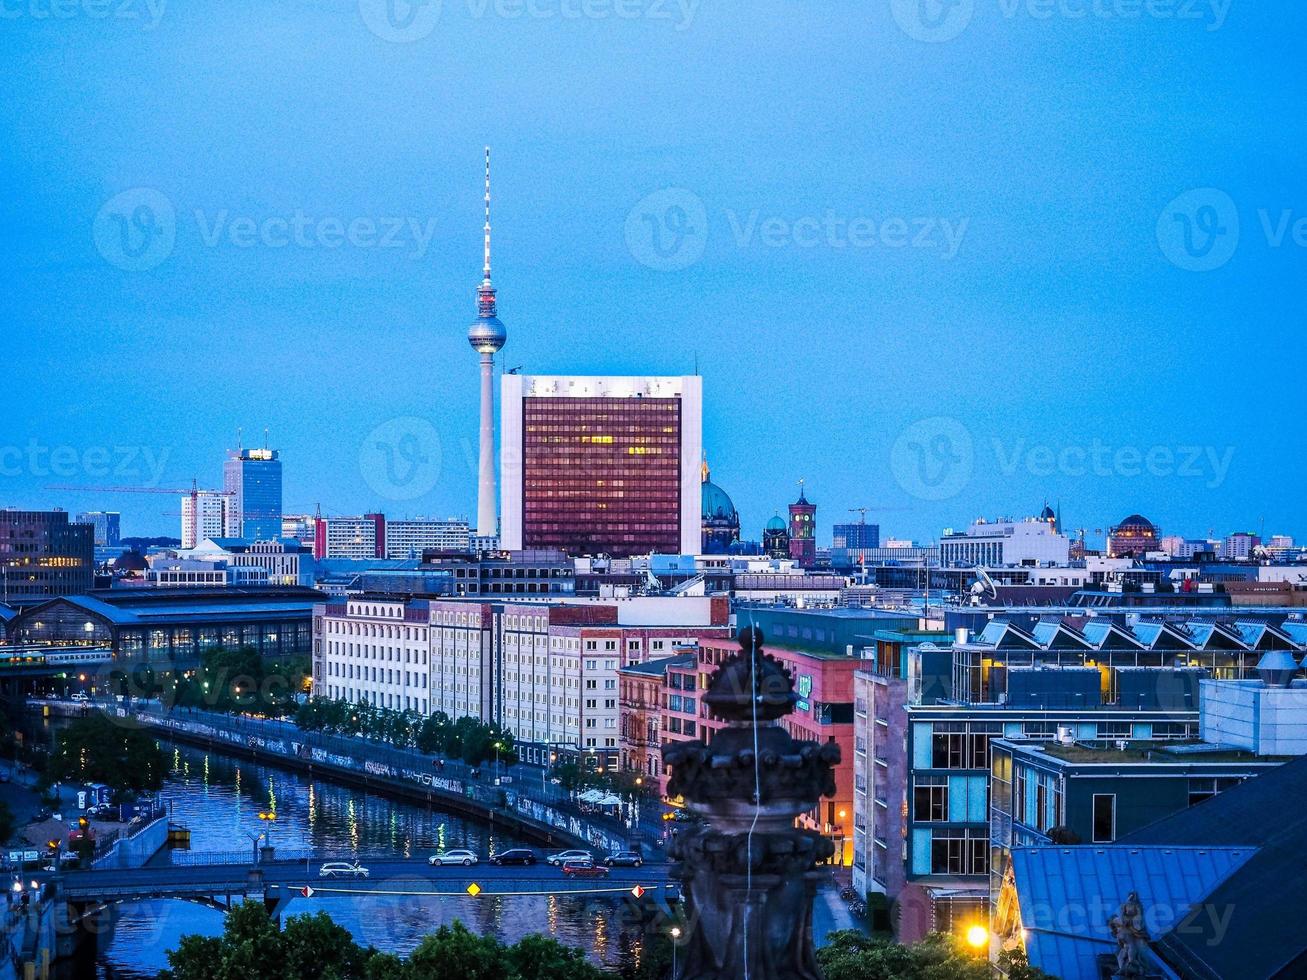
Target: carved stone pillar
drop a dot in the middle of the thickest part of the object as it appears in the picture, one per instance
(749, 876)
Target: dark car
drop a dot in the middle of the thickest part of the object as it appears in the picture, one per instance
(515, 855)
(584, 869)
(624, 859)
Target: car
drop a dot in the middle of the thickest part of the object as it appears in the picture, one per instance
(584, 869)
(514, 855)
(460, 856)
(80, 698)
(342, 869)
(564, 857)
(624, 859)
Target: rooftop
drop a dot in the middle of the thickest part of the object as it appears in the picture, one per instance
(1169, 753)
(658, 668)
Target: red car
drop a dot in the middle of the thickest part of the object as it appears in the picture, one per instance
(584, 869)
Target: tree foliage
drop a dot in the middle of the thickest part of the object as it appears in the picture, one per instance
(853, 955)
(467, 739)
(313, 947)
(239, 680)
(95, 749)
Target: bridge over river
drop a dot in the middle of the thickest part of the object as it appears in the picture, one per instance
(279, 882)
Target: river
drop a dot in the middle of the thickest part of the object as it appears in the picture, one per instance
(219, 799)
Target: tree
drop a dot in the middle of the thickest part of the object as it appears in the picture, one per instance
(310, 947)
(538, 957)
(96, 750)
(316, 948)
(453, 951)
(853, 955)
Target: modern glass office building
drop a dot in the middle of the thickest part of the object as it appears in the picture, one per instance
(602, 465)
(42, 554)
(252, 478)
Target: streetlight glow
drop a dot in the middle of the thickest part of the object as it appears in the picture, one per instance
(977, 936)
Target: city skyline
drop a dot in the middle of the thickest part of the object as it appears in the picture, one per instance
(633, 242)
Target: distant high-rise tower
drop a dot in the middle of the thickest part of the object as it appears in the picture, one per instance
(106, 524)
(487, 335)
(803, 530)
(252, 478)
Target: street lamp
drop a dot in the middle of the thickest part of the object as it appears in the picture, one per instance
(977, 937)
(676, 938)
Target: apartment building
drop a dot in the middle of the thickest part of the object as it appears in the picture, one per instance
(546, 672)
(375, 649)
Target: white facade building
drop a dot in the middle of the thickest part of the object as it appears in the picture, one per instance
(376, 650)
(409, 538)
(205, 515)
(1029, 542)
(350, 537)
(546, 672)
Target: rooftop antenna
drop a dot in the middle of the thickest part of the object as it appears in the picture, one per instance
(265, 437)
(486, 270)
(240, 439)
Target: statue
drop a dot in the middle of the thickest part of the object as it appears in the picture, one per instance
(748, 875)
(1131, 938)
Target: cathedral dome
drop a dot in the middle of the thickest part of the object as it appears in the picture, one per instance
(777, 523)
(717, 504)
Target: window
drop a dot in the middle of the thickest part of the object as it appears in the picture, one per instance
(1104, 818)
(930, 800)
(1206, 787)
(1114, 730)
(955, 852)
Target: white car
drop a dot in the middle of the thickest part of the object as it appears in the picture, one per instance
(570, 857)
(460, 856)
(342, 869)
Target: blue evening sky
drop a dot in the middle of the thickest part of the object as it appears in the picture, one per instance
(948, 259)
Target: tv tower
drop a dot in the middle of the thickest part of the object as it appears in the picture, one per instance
(487, 335)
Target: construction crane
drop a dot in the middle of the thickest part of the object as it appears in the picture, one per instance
(863, 511)
(194, 491)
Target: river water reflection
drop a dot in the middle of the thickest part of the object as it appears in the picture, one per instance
(219, 799)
